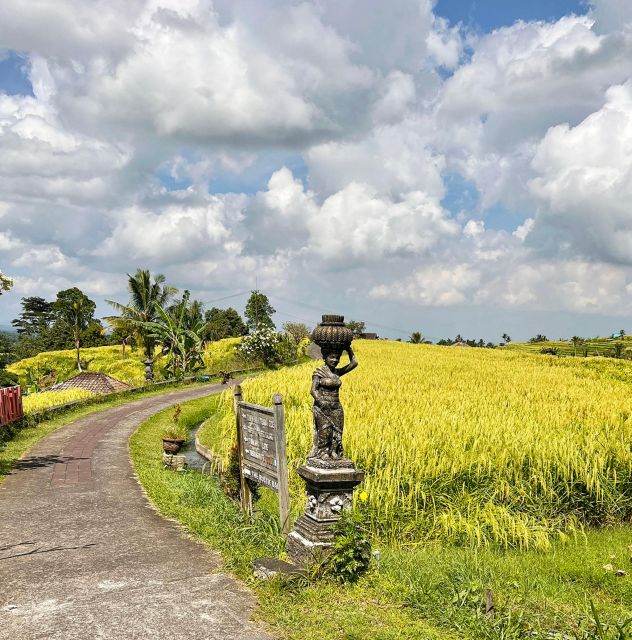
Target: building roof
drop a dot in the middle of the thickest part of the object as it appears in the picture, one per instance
(94, 382)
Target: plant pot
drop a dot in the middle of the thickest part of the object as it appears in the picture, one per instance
(172, 445)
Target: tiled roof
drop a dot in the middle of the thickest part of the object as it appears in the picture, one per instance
(94, 382)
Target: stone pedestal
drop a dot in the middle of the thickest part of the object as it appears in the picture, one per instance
(329, 492)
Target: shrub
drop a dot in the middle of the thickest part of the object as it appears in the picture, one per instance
(351, 553)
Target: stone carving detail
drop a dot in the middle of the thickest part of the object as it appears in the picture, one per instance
(336, 504)
(333, 338)
(312, 503)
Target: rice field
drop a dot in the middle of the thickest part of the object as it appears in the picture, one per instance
(39, 401)
(110, 360)
(590, 347)
(469, 446)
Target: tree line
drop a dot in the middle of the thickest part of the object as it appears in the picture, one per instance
(155, 316)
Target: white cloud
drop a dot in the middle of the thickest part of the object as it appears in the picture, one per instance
(356, 224)
(437, 285)
(611, 15)
(178, 232)
(538, 118)
(520, 81)
(584, 183)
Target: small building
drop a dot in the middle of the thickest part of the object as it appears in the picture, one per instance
(94, 382)
(616, 336)
(369, 336)
(460, 344)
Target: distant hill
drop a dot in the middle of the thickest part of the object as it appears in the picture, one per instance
(592, 346)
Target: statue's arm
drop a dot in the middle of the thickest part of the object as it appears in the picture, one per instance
(353, 363)
(315, 384)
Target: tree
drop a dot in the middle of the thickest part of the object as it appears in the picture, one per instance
(94, 335)
(416, 338)
(297, 331)
(177, 330)
(7, 348)
(506, 338)
(576, 340)
(5, 283)
(622, 332)
(145, 296)
(357, 327)
(74, 311)
(37, 316)
(223, 323)
(538, 338)
(259, 311)
(618, 350)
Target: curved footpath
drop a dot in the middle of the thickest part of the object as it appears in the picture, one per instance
(83, 554)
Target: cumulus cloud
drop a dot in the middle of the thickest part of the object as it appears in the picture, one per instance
(584, 183)
(140, 105)
(356, 224)
(520, 81)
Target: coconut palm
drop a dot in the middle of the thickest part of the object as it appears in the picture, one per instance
(145, 296)
(577, 341)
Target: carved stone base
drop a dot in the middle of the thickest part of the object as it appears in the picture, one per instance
(174, 462)
(329, 492)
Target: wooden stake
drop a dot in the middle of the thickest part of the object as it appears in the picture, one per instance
(489, 603)
(244, 492)
(283, 490)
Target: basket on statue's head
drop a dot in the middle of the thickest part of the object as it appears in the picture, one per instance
(331, 333)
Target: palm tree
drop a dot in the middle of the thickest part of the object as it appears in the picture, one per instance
(576, 340)
(145, 294)
(178, 331)
(416, 338)
(506, 338)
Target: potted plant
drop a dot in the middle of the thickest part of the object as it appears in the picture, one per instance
(175, 434)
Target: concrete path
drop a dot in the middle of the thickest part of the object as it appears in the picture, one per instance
(84, 556)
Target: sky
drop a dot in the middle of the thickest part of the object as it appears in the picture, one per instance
(460, 166)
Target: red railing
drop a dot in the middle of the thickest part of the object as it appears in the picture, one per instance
(10, 405)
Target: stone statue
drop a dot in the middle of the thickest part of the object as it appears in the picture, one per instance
(330, 478)
(334, 339)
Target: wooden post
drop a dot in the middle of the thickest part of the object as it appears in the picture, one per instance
(244, 492)
(284, 495)
(489, 603)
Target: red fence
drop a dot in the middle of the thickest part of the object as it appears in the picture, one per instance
(10, 405)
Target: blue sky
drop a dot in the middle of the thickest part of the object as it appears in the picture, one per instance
(486, 15)
(13, 77)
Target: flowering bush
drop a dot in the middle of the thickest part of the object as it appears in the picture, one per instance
(261, 344)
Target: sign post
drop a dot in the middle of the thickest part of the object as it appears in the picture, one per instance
(262, 455)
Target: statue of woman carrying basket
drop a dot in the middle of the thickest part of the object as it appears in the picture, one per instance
(333, 338)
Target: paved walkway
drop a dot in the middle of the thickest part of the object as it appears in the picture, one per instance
(84, 556)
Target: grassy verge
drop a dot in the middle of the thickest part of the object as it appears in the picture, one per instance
(17, 439)
(416, 593)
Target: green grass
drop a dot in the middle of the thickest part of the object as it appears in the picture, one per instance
(430, 591)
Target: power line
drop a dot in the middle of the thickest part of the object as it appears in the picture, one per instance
(234, 295)
(320, 310)
(307, 306)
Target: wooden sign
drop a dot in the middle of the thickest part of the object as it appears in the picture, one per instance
(262, 456)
